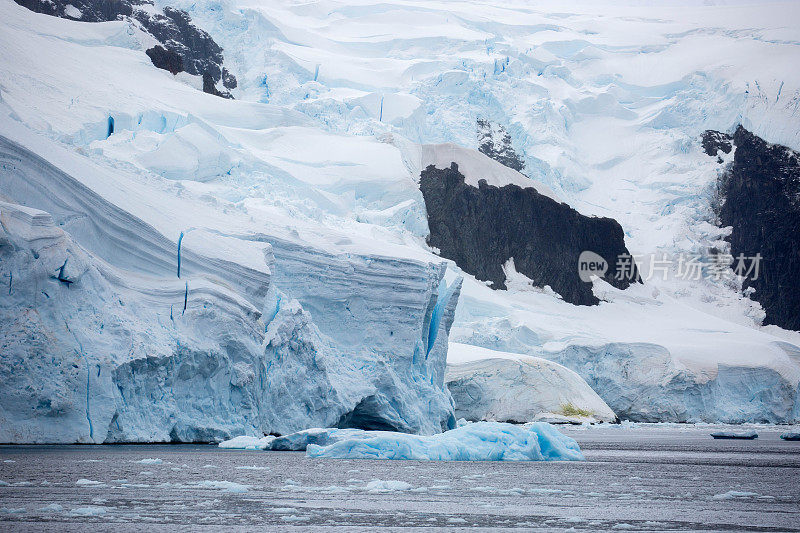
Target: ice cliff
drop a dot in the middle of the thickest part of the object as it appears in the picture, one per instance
(102, 342)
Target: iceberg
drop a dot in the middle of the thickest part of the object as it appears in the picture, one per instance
(297, 441)
(741, 435)
(481, 441)
(300, 440)
(503, 387)
(244, 442)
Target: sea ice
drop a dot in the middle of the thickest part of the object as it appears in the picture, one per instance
(89, 483)
(91, 510)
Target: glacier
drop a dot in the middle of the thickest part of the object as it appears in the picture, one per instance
(312, 298)
(481, 441)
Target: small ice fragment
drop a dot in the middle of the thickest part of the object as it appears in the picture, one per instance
(744, 435)
(89, 483)
(91, 510)
(391, 485)
(247, 443)
(734, 494)
(294, 518)
(52, 508)
(227, 486)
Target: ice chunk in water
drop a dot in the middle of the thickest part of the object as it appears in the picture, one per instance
(482, 441)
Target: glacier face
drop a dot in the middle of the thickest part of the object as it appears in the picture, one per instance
(299, 202)
(108, 345)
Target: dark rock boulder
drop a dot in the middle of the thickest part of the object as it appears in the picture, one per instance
(165, 59)
(760, 200)
(184, 47)
(714, 141)
(480, 228)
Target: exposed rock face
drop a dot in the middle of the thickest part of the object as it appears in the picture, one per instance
(184, 47)
(714, 141)
(495, 142)
(761, 201)
(165, 59)
(481, 228)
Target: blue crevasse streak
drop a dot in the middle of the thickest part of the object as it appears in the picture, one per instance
(445, 293)
(274, 312)
(179, 254)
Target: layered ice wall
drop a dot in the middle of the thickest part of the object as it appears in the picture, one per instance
(102, 342)
(92, 353)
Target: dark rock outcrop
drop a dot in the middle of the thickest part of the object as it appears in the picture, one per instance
(165, 59)
(184, 47)
(714, 141)
(760, 200)
(495, 142)
(481, 228)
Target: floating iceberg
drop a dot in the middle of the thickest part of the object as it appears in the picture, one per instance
(742, 435)
(482, 441)
(300, 440)
(791, 435)
(297, 441)
(244, 442)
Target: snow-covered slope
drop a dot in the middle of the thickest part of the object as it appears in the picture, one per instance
(338, 108)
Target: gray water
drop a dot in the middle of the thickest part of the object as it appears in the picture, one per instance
(646, 478)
